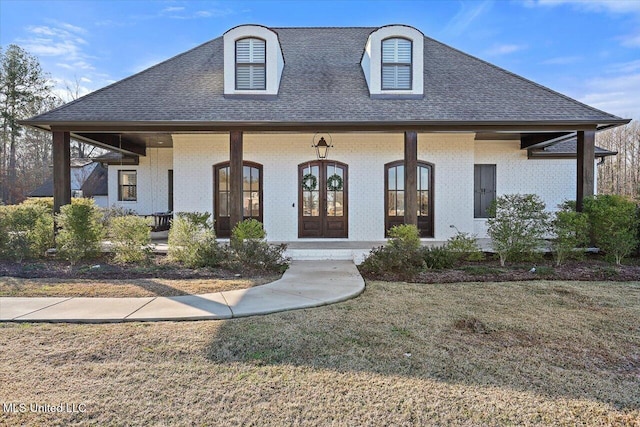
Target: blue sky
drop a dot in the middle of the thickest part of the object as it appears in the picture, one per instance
(587, 49)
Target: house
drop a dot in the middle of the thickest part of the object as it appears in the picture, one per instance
(88, 179)
(331, 133)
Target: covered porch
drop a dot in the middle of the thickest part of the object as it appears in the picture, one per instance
(136, 142)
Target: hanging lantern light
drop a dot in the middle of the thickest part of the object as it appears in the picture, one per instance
(322, 146)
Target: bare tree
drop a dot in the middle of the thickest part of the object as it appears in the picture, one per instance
(79, 149)
(620, 174)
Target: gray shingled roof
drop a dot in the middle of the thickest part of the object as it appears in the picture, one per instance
(323, 82)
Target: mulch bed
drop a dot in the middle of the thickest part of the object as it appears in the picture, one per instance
(593, 268)
(104, 269)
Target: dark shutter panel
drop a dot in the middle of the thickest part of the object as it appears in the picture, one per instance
(477, 191)
(489, 184)
(484, 189)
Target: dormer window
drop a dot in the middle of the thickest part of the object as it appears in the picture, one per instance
(253, 63)
(250, 64)
(393, 63)
(396, 64)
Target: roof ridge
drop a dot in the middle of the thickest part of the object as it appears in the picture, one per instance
(525, 79)
(328, 27)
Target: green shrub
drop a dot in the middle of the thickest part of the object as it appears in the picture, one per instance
(259, 255)
(192, 241)
(613, 224)
(401, 255)
(249, 229)
(26, 231)
(46, 202)
(81, 230)
(438, 257)
(464, 246)
(114, 212)
(404, 237)
(517, 227)
(130, 236)
(200, 219)
(570, 230)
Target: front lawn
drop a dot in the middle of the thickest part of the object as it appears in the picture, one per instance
(537, 353)
(151, 287)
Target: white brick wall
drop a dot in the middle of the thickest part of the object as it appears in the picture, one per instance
(152, 182)
(554, 180)
(366, 154)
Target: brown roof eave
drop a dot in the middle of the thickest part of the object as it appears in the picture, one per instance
(432, 126)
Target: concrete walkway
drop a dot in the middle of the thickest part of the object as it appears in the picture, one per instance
(305, 284)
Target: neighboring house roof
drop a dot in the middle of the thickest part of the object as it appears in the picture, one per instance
(97, 184)
(86, 175)
(322, 85)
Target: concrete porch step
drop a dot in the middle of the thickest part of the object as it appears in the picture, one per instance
(315, 254)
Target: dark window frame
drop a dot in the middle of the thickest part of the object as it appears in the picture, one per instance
(121, 186)
(426, 226)
(216, 205)
(396, 64)
(249, 64)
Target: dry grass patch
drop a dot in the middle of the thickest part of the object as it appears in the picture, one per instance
(529, 353)
(17, 287)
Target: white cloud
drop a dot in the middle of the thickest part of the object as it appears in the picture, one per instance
(625, 67)
(632, 40)
(63, 49)
(172, 9)
(617, 95)
(562, 60)
(504, 49)
(614, 6)
(468, 13)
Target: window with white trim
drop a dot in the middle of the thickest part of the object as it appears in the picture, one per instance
(250, 64)
(396, 63)
(127, 186)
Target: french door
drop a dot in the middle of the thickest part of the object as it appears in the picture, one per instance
(323, 199)
(251, 195)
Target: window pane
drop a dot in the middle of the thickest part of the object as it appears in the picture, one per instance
(403, 77)
(396, 51)
(389, 77)
(243, 51)
(255, 179)
(246, 178)
(392, 178)
(223, 201)
(400, 177)
(246, 204)
(257, 77)
(391, 208)
(424, 178)
(400, 203)
(339, 205)
(403, 53)
(423, 203)
(223, 183)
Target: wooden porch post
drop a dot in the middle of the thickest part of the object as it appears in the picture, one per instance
(61, 170)
(235, 175)
(410, 178)
(586, 158)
